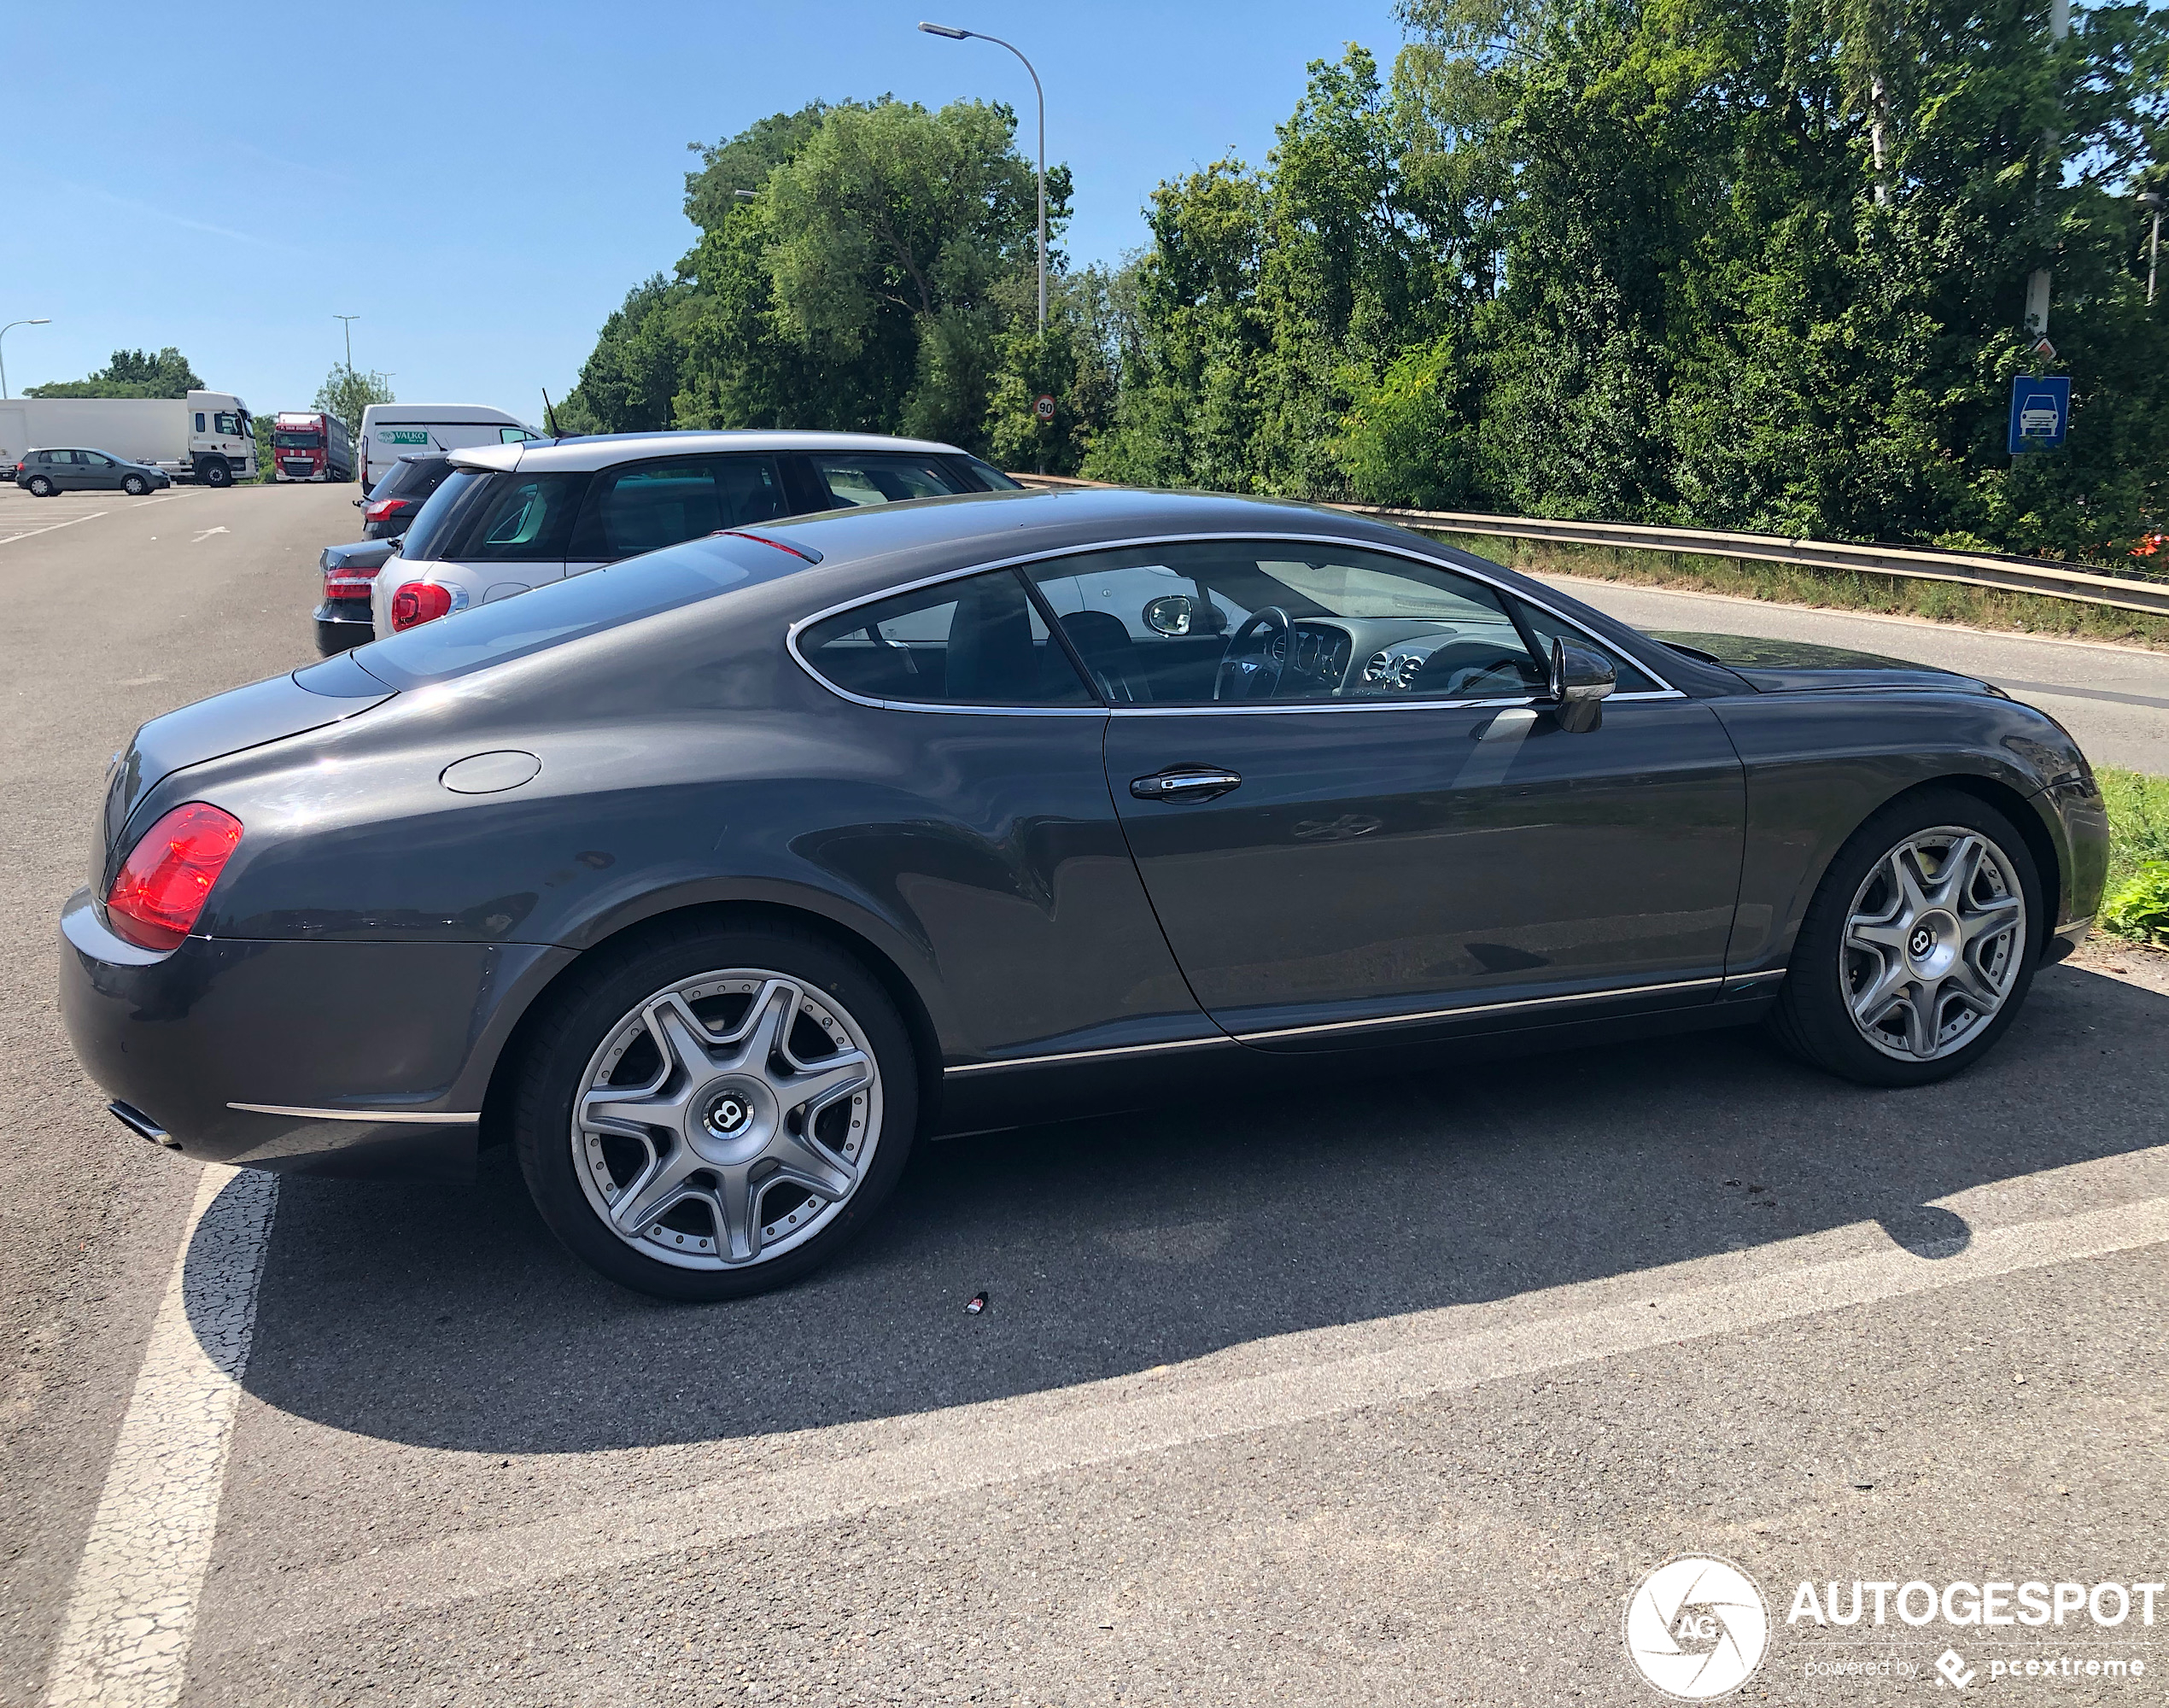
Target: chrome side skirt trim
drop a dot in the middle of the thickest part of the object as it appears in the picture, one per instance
(1116, 1054)
(406, 1117)
(1382, 1021)
(1755, 981)
(1521, 1003)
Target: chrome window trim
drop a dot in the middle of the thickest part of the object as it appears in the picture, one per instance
(410, 1117)
(1664, 690)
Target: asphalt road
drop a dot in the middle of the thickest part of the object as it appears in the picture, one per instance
(1391, 1390)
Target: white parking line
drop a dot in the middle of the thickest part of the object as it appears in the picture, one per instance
(132, 1613)
(10, 539)
(845, 1472)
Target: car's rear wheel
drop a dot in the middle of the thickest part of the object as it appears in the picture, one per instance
(1919, 947)
(40, 487)
(711, 1116)
(135, 486)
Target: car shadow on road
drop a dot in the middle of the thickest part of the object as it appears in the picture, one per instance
(450, 1318)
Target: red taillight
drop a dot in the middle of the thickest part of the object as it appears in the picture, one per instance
(419, 602)
(383, 509)
(160, 894)
(349, 581)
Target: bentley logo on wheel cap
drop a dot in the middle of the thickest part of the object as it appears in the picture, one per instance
(728, 1115)
(1922, 941)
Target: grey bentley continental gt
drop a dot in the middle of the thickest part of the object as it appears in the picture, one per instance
(712, 880)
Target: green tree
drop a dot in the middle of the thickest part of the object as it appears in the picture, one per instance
(346, 392)
(131, 373)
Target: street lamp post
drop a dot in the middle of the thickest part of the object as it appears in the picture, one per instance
(955, 35)
(2152, 203)
(347, 327)
(47, 320)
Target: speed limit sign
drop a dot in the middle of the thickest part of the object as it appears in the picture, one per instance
(1044, 405)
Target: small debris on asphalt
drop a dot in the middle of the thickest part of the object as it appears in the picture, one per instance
(977, 1303)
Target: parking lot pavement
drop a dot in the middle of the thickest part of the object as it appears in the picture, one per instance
(2115, 699)
(1390, 1389)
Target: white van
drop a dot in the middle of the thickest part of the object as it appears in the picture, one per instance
(392, 431)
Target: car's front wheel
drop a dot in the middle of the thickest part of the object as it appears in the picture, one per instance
(1918, 946)
(135, 486)
(711, 1116)
(216, 473)
(40, 487)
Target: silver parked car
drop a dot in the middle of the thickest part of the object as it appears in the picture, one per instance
(510, 518)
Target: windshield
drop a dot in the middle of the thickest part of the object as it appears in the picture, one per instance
(509, 628)
(297, 441)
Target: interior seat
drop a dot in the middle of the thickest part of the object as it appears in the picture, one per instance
(1110, 653)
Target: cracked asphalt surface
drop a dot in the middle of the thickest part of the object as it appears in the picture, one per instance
(1341, 1396)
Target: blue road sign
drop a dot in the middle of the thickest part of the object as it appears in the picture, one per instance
(2040, 412)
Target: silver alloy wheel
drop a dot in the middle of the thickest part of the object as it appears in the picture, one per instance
(1933, 943)
(727, 1120)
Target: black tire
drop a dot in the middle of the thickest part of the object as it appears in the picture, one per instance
(135, 486)
(558, 1050)
(216, 473)
(39, 486)
(1813, 1018)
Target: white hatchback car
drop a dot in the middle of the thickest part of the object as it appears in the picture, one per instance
(509, 517)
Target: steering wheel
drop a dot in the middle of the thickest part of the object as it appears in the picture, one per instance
(1244, 678)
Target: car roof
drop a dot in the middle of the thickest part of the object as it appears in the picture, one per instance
(990, 527)
(606, 450)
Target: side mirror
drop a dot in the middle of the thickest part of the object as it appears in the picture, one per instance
(1580, 680)
(1170, 614)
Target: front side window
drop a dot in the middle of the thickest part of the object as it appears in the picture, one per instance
(978, 641)
(513, 436)
(883, 476)
(96, 459)
(1285, 621)
(650, 506)
(227, 423)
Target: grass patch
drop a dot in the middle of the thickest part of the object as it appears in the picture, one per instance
(2019, 613)
(2136, 903)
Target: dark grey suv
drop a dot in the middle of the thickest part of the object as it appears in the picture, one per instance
(47, 472)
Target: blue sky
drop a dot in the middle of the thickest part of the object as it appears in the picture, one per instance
(482, 184)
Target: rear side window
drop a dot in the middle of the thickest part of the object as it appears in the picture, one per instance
(649, 505)
(978, 641)
(498, 517)
(413, 478)
(884, 476)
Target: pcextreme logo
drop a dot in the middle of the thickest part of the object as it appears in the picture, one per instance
(1697, 1628)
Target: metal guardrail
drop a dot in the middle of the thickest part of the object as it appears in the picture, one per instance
(1965, 568)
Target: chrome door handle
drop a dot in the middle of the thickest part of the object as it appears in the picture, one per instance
(1201, 783)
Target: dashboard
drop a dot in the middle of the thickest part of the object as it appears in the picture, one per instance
(1367, 657)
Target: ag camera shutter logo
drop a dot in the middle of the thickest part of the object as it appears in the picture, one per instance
(1697, 1628)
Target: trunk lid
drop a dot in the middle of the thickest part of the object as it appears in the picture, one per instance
(226, 723)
